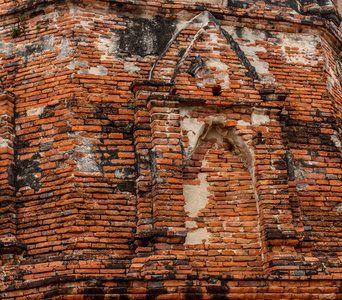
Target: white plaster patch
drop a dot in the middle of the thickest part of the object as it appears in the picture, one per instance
(181, 24)
(335, 139)
(185, 110)
(65, 50)
(131, 68)
(339, 208)
(84, 24)
(36, 111)
(213, 134)
(99, 71)
(218, 119)
(299, 173)
(201, 83)
(77, 63)
(147, 41)
(262, 68)
(329, 87)
(4, 143)
(332, 79)
(119, 173)
(48, 42)
(190, 224)
(258, 117)
(243, 123)
(7, 48)
(195, 130)
(220, 67)
(199, 236)
(108, 46)
(249, 38)
(306, 44)
(86, 164)
(196, 196)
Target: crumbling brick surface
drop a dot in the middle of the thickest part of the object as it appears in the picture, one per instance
(170, 150)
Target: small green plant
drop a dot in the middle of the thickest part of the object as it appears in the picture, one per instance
(162, 79)
(15, 31)
(129, 125)
(38, 27)
(46, 27)
(18, 29)
(338, 57)
(131, 105)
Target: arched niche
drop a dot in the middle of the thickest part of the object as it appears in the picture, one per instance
(221, 209)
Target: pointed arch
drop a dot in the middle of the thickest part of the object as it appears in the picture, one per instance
(203, 19)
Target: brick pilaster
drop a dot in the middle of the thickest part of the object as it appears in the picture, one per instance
(7, 167)
(10, 247)
(160, 201)
(167, 189)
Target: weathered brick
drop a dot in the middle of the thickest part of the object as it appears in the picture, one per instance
(210, 169)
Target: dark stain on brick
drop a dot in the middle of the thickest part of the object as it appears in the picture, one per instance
(156, 35)
(191, 293)
(46, 146)
(127, 186)
(51, 293)
(36, 48)
(218, 291)
(287, 3)
(153, 293)
(11, 171)
(36, 13)
(26, 170)
(290, 167)
(20, 144)
(49, 111)
(238, 4)
(125, 7)
(107, 156)
(259, 139)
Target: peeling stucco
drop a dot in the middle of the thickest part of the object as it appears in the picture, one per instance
(4, 143)
(196, 196)
(99, 71)
(336, 140)
(198, 236)
(305, 47)
(65, 49)
(35, 111)
(220, 71)
(131, 68)
(259, 117)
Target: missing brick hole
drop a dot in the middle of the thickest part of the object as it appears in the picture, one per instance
(217, 90)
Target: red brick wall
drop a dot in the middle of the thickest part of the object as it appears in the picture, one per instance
(169, 150)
